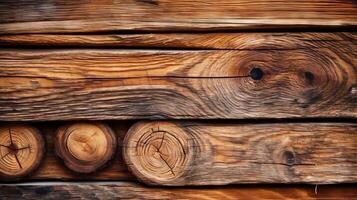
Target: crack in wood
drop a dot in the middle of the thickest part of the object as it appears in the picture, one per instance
(171, 169)
(134, 77)
(17, 160)
(277, 163)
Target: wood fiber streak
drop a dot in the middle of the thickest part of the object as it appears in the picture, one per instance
(53, 168)
(243, 41)
(181, 84)
(170, 15)
(187, 153)
(127, 190)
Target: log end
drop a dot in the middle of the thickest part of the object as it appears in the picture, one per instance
(158, 153)
(85, 147)
(21, 150)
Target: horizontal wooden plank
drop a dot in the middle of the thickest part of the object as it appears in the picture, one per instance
(229, 153)
(169, 15)
(186, 153)
(208, 84)
(127, 190)
(243, 41)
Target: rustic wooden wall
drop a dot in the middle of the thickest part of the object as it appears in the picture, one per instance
(240, 92)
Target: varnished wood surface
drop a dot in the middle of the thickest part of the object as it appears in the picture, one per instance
(186, 153)
(243, 41)
(170, 15)
(308, 79)
(128, 190)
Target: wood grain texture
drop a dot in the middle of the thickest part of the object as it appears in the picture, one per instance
(318, 81)
(53, 168)
(242, 41)
(169, 15)
(21, 150)
(186, 153)
(85, 147)
(127, 190)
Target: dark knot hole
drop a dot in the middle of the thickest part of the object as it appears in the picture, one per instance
(256, 73)
(289, 157)
(309, 76)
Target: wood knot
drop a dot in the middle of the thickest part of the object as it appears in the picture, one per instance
(256, 74)
(85, 147)
(21, 150)
(309, 77)
(289, 157)
(157, 153)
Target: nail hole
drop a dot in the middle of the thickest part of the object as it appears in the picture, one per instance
(256, 74)
(309, 76)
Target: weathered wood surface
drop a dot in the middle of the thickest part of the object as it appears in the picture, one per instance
(329, 146)
(127, 190)
(318, 81)
(187, 153)
(243, 41)
(170, 15)
(53, 168)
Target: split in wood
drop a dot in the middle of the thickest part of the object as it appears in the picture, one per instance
(21, 151)
(85, 147)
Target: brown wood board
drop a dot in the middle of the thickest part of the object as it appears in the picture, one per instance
(294, 80)
(127, 190)
(233, 153)
(170, 15)
(239, 41)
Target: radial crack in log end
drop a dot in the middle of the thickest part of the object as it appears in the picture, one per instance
(158, 153)
(85, 147)
(21, 151)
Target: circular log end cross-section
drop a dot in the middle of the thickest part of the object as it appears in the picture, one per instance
(21, 150)
(85, 147)
(157, 153)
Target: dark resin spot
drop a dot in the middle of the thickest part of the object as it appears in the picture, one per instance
(256, 73)
(289, 157)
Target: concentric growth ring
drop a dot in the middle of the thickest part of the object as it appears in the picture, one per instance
(21, 150)
(85, 147)
(157, 153)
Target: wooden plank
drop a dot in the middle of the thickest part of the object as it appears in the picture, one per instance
(208, 84)
(243, 41)
(169, 15)
(184, 153)
(253, 152)
(127, 190)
